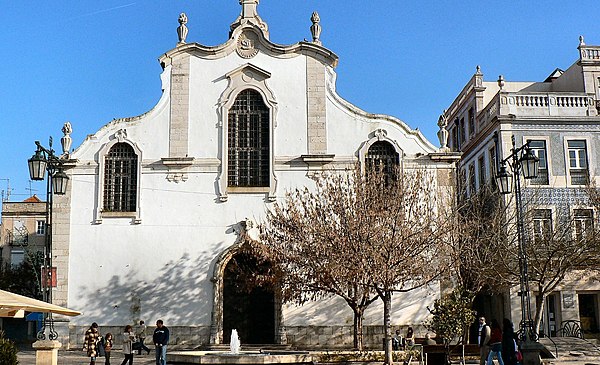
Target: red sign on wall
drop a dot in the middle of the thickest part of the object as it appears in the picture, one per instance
(49, 277)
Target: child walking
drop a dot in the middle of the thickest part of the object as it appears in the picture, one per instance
(108, 344)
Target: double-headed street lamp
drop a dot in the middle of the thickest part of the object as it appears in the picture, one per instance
(521, 160)
(44, 160)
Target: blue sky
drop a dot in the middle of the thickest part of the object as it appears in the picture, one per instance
(91, 61)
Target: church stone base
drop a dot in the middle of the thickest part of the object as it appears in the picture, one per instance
(298, 337)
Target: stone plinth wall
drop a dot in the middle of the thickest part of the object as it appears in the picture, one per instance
(298, 337)
(181, 336)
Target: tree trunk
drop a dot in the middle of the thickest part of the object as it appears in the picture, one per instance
(539, 310)
(358, 328)
(387, 310)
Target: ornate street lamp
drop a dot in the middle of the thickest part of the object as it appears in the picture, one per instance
(44, 160)
(521, 160)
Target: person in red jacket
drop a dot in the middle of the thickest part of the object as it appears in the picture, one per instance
(495, 343)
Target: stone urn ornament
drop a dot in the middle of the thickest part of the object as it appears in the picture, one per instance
(315, 28)
(443, 132)
(66, 140)
(182, 30)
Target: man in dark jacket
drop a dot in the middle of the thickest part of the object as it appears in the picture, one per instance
(161, 339)
(483, 338)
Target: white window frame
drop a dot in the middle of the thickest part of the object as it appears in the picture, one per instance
(40, 227)
(552, 217)
(377, 136)
(119, 137)
(14, 252)
(245, 77)
(546, 141)
(589, 157)
(593, 218)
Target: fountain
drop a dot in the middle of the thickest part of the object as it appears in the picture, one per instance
(234, 344)
(237, 357)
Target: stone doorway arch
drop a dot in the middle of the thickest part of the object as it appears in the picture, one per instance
(217, 335)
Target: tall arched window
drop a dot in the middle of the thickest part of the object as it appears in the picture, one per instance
(120, 179)
(382, 154)
(248, 141)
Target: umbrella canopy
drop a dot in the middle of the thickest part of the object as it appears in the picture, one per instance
(12, 305)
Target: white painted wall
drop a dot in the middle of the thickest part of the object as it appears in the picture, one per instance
(165, 263)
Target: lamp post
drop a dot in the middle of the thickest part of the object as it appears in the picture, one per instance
(521, 160)
(44, 160)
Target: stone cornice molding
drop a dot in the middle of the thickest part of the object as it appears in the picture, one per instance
(261, 44)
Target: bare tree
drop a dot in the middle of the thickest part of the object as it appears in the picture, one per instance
(475, 226)
(406, 230)
(312, 236)
(358, 235)
(557, 243)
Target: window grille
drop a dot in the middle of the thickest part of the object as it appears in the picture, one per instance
(248, 138)
(120, 179)
(383, 155)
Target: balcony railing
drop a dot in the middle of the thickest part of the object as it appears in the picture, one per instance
(589, 53)
(579, 177)
(538, 105)
(541, 178)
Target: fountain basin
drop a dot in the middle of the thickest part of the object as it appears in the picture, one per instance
(243, 357)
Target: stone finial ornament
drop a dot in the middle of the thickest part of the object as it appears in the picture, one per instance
(250, 15)
(182, 30)
(315, 28)
(581, 42)
(66, 140)
(478, 77)
(501, 81)
(443, 132)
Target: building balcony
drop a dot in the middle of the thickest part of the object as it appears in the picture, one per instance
(579, 177)
(538, 104)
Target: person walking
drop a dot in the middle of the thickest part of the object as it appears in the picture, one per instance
(410, 338)
(483, 339)
(495, 344)
(140, 332)
(397, 341)
(108, 344)
(160, 338)
(128, 337)
(91, 342)
(509, 345)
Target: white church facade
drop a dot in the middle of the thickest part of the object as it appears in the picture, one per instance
(157, 202)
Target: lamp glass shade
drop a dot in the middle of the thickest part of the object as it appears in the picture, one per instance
(59, 182)
(529, 164)
(37, 166)
(504, 180)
